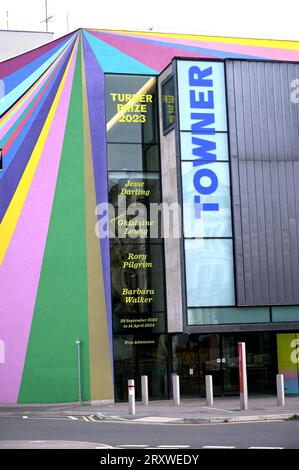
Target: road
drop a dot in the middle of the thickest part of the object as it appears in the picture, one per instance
(70, 433)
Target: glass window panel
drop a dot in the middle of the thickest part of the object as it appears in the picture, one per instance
(133, 157)
(131, 108)
(168, 104)
(209, 272)
(281, 314)
(137, 187)
(187, 146)
(218, 316)
(212, 223)
(137, 274)
(131, 195)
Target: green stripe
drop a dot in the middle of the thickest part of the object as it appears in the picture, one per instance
(61, 310)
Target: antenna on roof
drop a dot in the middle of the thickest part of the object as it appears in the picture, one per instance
(7, 20)
(48, 18)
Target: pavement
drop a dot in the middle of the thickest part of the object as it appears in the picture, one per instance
(190, 411)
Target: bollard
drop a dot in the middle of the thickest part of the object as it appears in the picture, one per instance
(131, 392)
(280, 390)
(78, 343)
(209, 391)
(243, 377)
(144, 389)
(176, 390)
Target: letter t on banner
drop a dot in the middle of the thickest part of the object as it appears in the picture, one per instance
(243, 376)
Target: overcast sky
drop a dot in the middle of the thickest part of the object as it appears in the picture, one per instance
(253, 18)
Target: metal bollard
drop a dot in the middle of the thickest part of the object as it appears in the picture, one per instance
(144, 389)
(78, 343)
(131, 392)
(243, 376)
(209, 391)
(176, 390)
(280, 390)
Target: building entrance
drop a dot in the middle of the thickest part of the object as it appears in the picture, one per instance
(196, 356)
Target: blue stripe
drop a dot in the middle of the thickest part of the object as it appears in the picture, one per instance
(114, 61)
(11, 97)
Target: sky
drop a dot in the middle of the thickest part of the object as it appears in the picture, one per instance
(253, 18)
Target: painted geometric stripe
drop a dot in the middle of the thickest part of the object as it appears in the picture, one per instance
(250, 42)
(20, 271)
(12, 215)
(24, 147)
(112, 60)
(9, 66)
(96, 108)
(10, 98)
(60, 313)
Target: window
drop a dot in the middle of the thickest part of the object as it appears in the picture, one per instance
(131, 109)
(168, 105)
(133, 157)
(209, 272)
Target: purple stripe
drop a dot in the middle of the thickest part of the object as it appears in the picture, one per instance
(15, 116)
(11, 65)
(9, 183)
(20, 272)
(96, 107)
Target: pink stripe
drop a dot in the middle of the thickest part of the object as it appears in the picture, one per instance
(11, 121)
(256, 51)
(20, 272)
(153, 55)
(12, 65)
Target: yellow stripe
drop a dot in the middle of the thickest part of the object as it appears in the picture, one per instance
(14, 210)
(31, 90)
(270, 43)
(19, 103)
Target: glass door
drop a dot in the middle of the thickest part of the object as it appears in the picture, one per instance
(194, 357)
(260, 365)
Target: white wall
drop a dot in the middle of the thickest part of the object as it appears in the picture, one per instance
(13, 43)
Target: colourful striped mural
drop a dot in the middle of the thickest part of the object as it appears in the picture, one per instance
(54, 272)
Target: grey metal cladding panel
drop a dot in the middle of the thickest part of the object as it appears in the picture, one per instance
(256, 252)
(261, 230)
(262, 100)
(248, 112)
(246, 234)
(263, 131)
(276, 214)
(264, 147)
(296, 184)
(283, 191)
(293, 218)
(254, 129)
(286, 115)
(238, 243)
(239, 109)
(269, 232)
(293, 73)
(238, 240)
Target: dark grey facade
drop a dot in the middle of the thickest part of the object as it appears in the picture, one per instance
(264, 151)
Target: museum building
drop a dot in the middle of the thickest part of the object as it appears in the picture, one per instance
(149, 216)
